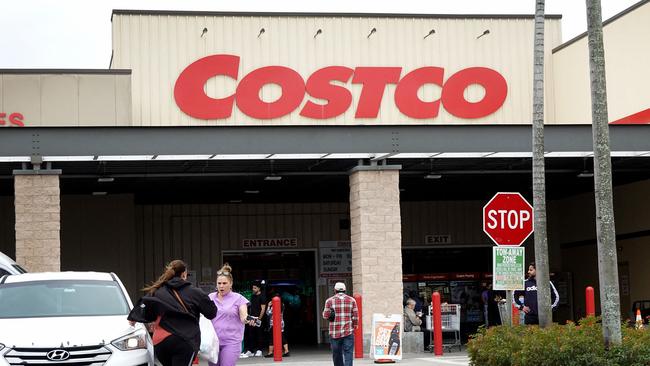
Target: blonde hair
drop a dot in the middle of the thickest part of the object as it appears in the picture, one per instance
(174, 269)
(225, 271)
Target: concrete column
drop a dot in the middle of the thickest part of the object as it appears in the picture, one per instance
(376, 233)
(38, 222)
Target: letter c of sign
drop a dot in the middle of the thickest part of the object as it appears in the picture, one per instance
(189, 91)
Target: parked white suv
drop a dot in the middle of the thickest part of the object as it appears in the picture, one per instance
(75, 318)
(8, 266)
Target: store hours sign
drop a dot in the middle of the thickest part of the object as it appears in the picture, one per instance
(335, 259)
(508, 268)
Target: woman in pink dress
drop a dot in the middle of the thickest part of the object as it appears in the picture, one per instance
(231, 318)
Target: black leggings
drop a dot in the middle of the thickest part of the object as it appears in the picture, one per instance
(174, 351)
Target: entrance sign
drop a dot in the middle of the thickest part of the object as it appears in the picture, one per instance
(386, 337)
(508, 266)
(508, 219)
(270, 243)
(324, 84)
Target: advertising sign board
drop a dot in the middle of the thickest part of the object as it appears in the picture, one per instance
(386, 341)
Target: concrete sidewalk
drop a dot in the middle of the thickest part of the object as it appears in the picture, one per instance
(322, 357)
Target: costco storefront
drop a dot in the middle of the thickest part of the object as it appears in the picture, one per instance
(306, 149)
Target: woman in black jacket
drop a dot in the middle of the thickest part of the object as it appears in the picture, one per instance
(176, 306)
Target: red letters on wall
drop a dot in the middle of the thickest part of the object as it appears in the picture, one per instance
(13, 120)
(191, 98)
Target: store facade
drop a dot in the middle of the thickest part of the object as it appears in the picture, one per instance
(310, 148)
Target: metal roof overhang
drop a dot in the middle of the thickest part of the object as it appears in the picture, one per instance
(263, 142)
(230, 164)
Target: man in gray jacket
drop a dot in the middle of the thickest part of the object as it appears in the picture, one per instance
(412, 321)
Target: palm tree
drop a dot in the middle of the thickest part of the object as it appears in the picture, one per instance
(605, 231)
(539, 179)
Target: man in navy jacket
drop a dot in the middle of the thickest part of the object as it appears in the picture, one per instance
(529, 306)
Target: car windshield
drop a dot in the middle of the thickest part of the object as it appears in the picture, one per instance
(61, 298)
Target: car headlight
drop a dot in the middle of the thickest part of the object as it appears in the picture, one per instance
(135, 340)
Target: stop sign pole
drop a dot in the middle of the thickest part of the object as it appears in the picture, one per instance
(508, 221)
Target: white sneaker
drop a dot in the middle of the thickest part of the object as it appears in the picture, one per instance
(258, 353)
(243, 355)
(249, 354)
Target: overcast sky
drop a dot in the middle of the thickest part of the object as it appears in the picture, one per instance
(77, 33)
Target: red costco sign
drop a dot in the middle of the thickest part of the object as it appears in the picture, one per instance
(191, 98)
(508, 219)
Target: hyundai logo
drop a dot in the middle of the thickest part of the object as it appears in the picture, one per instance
(58, 355)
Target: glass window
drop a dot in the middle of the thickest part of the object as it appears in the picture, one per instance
(3, 272)
(61, 298)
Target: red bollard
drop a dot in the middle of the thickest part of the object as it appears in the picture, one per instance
(277, 329)
(591, 303)
(437, 324)
(358, 333)
(515, 315)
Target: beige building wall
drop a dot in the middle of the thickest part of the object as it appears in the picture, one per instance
(67, 98)
(157, 47)
(626, 60)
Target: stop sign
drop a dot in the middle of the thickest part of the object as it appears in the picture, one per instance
(508, 219)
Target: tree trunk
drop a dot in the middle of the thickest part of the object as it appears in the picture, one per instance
(605, 231)
(539, 179)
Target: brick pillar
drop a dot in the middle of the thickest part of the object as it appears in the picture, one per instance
(38, 222)
(376, 233)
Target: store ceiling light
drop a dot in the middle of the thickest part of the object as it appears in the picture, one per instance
(105, 179)
(273, 177)
(185, 157)
(14, 159)
(568, 154)
(433, 175)
(296, 156)
(240, 156)
(464, 154)
(513, 154)
(585, 174)
(349, 156)
(69, 158)
(124, 157)
(252, 191)
(414, 155)
(100, 193)
(622, 154)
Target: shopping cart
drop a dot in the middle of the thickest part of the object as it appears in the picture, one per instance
(450, 324)
(503, 312)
